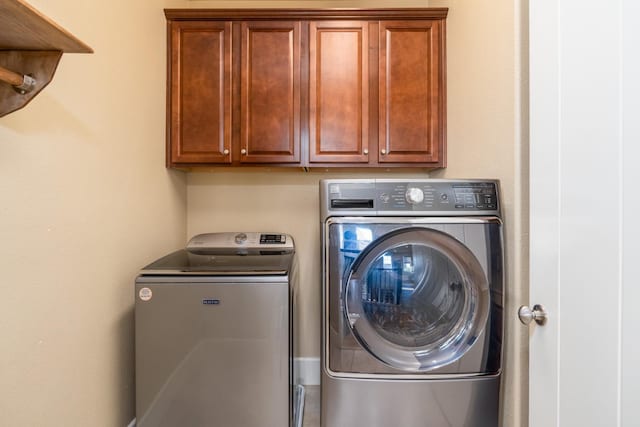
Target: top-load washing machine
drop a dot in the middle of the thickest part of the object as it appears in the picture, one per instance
(214, 334)
(413, 286)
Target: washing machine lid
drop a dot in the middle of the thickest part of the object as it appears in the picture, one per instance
(229, 254)
(416, 299)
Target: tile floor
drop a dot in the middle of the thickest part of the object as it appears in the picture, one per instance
(311, 406)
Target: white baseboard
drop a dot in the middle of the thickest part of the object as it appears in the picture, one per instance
(307, 370)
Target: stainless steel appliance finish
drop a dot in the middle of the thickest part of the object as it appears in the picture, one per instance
(214, 333)
(412, 303)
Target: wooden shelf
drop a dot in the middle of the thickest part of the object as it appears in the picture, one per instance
(30, 45)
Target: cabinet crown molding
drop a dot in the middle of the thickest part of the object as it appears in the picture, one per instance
(299, 14)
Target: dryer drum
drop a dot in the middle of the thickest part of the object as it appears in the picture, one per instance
(417, 299)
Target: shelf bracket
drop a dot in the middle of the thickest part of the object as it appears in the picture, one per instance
(21, 83)
(32, 43)
(41, 65)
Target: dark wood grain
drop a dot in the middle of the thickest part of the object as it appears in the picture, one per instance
(410, 91)
(307, 87)
(339, 91)
(349, 14)
(200, 92)
(270, 92)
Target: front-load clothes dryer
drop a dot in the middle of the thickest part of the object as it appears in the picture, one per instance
(213, 330)
(413, 286)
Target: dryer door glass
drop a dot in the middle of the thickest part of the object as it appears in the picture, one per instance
(417, 299)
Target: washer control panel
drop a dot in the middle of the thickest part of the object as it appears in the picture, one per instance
(227, 240)
(395, 196)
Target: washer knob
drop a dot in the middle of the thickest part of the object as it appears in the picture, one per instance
(240, 238)
(414, 195)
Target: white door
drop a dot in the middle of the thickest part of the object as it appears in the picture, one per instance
(585, 212)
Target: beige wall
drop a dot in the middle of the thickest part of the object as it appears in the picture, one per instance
(85, 201)
(484, 48)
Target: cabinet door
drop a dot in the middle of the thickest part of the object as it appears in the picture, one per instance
(200, 93)
(339, 92)
(412, 92)
(270, 92)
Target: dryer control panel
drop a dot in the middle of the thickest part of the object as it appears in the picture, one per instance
(409, 197)
(437, 196)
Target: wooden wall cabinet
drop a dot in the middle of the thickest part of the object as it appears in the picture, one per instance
(270, 92)
(199, 125)
(411, 92)
(339, 92)
(306, 87)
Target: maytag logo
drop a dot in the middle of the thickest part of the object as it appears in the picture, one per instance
(211, 301)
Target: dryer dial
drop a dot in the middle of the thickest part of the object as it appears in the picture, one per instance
(414, 195)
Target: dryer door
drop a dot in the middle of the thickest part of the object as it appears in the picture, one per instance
(417, 299)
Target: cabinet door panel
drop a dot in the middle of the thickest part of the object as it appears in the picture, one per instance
(270, 92)
(411, 92)
(339, 91)
(200, 92)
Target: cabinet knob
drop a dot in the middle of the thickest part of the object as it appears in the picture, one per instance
(226, 151)
(365, 151)
(243, 151)
(383, 151)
